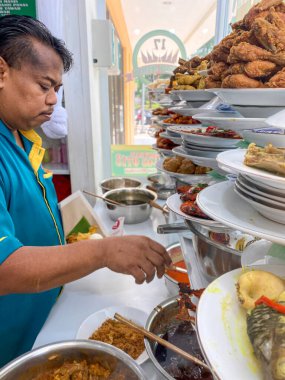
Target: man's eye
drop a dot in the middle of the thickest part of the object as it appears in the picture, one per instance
(44, 87)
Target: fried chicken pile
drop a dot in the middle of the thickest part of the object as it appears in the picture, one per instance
(253, 55)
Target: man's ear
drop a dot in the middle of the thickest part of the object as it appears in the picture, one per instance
(3, 71)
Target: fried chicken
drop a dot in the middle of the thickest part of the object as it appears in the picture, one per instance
(278, 80)
(217, 69)
(245, 52)
(260, 10)
(270, 36)
(211, 82)
(241, 81)
(259, 69)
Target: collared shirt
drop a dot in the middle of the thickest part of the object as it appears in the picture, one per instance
(29, 216)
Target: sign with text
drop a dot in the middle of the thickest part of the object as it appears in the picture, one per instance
(133, 160)
(18, 7)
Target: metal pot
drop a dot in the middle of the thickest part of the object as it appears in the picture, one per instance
(119, 182)
(51, 356)
(213, 258)
(137, 207)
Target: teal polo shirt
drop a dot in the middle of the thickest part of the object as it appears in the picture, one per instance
(29, 216)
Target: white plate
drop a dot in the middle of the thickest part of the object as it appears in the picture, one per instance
(226, 346)
(200, 153)
(226, 121)
(205, 148)
(263, 138)
(269, 212)
(176, 140)
(253, 112)
(210, 141)
(186, 128)
(201, 161)
(187, 178)
(166, 152)
(251, 96)
(174, 202)
(189, 111)
(94, 321)
(253, 189)
(264, 187)
(193, 95)
(232, 161)
(221, 203)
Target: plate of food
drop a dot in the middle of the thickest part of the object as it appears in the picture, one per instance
(189, 210)
(244, 333)
(175, 140)
(189, 111)
(201, 161)
(220, 202)
(184, 169)
(251, 96)
(230, 121)
(102, 326)
(257, 163)
(179, 120)
(212, 137)
(166, 152)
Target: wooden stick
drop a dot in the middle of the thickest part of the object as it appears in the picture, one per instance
(161, 341)
(115, 203)
(156, 205)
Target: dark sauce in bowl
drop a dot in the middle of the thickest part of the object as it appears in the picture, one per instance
(182, 335)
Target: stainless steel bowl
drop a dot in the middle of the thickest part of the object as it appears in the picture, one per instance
(119, 182)
(51, 356)
(137, 207)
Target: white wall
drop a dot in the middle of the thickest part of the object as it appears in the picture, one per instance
(86, 97)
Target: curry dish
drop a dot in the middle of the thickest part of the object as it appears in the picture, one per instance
(120, 335)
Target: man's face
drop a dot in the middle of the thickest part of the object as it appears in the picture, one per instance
(28, 94)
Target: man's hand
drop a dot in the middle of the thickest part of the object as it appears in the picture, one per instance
(138, 256)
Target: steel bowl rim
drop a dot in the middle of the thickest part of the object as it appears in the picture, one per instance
(107, 348)
(132, 189)
(119, 178)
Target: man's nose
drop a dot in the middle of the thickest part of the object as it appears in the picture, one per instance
(51, 98)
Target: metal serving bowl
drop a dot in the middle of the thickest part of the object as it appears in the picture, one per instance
(137, 207)
(51, 356)
(118, 182)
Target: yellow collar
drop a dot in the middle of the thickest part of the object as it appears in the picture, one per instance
(37, 151)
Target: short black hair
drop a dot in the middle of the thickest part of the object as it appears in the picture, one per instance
(17, 34)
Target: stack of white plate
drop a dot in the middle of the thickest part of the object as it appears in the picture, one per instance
(176, 139)
(193, 95)
(263, 190)
(262, 137)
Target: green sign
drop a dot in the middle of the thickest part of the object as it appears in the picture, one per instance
(18, 7)
(133, 160)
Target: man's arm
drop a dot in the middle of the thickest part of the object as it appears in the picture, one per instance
(35, 269)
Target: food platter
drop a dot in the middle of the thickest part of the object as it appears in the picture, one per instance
(179, 128)
(193, 95)
(230, 121)
(174, 202)
(201, 161)
(189, 111)
(257, 111)
(220, 202)
(251, 96)
(232, 161)
(187, 178)
(175, 140)
(264, 138)
(95, 320)
(226, 347)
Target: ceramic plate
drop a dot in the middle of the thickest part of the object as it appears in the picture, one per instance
(174, 202)
(193, 95)
(176, 140)
(227, 121)
(189, 111)
(227, 346)
(203, 148)
(180, 128)
(94, 321)
(187, 178)
(264, 187)
(264, 138)
(257, 112)
(251, 96)
(264, 208)
(209, 141)
(232, 161)
(253, 189)
(166, 152)
(221, 203)
(200, 153)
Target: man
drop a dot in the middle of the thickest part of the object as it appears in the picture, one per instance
(34, 262)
